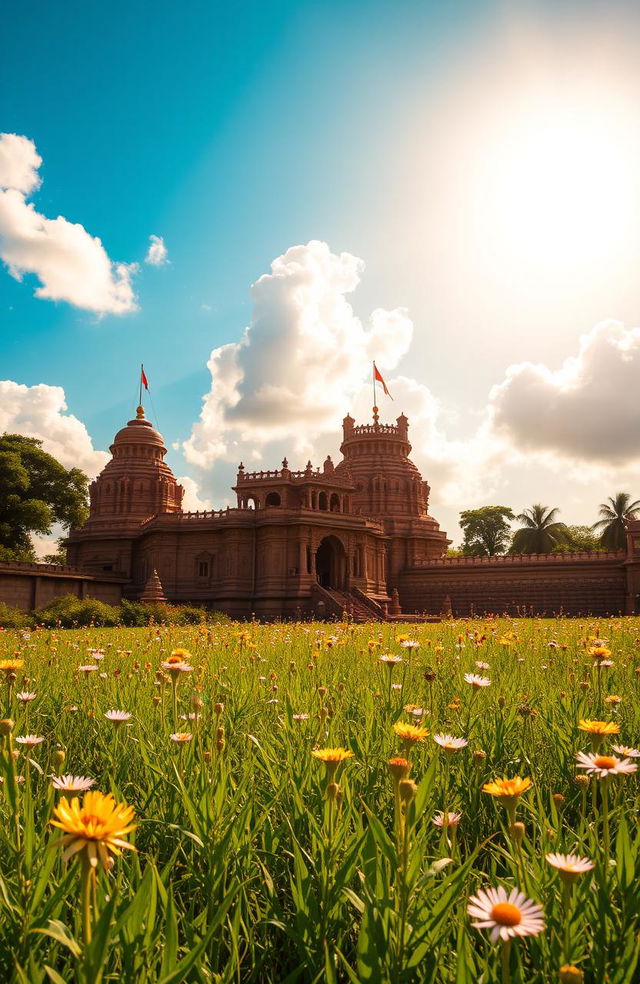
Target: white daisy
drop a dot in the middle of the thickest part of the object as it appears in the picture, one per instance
(452, 820)
(605, 765)
(477, 681)
(450, 744)
(632, 753)
(570, 866)
(506, 915)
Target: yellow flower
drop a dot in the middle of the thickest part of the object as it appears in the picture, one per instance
(612, 699)
(599, 727)
(179, 656)
(11, 665)
(332, 757)
(97, 826)
(599, 652)
(410, 732)
(509, 790)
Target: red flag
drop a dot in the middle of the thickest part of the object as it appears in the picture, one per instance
(378, 378)
(143, 379)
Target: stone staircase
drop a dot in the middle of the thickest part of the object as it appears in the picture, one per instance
(358, 607)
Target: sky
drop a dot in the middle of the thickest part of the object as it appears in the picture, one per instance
(258, 199)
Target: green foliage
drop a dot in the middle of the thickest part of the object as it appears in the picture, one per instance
(69, 612)
(541, 533)
(615, 513)
(13, 618)
(486, 530)
(578, 538)
(36, 491)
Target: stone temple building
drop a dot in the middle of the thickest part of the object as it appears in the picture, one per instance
(355, 534)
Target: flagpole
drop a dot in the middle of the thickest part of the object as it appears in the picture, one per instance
(373, 373)
(140, 394)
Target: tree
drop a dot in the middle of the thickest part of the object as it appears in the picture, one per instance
(486, 530)
(615, 513)
(36, 491)
(541, 532)
(579, 538)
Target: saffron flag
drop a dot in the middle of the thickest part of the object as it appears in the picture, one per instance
(378, 378)
(143, 379)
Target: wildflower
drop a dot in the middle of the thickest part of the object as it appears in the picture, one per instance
(399, 767)
(450, 744)
(410, 644)
(597, 730)
(613, 699)
(599, 652)
(29, 741)
(300, 717)
(8, 666)
(389, 660)
(415, 711)
(175, 664)
(72, 784)
(25, 696)
(96, 826)
(626, 752)
(451, 819)
(118, 717)
(605, 765)
(410, 733)
(506, 915)
(477, 681)
(181, 737)
(570, 974)
(570, 866)
(87, 669)
(332, 758)
(509, 790)
(482, 666)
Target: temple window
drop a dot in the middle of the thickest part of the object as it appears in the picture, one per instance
(273, 499)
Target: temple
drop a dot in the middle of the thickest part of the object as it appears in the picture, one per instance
(356, 535)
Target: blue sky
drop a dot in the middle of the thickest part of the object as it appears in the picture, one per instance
(238, 131)
(235, 131)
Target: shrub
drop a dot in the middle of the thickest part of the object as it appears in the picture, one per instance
(14, 618)
(70, 611)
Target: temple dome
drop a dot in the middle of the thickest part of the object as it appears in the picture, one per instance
(137, 483)
(140, 432)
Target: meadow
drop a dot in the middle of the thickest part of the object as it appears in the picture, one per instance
(451, 803)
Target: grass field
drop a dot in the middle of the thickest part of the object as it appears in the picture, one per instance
(257, 860)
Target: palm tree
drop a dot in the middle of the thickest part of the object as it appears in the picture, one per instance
(615, 513)
(540, 533)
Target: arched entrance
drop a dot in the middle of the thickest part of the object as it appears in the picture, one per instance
(331, 563)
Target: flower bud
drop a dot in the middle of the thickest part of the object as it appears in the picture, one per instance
(571, 975)
(332, 791)
(407, 790)
(218, 708)
(501, 701)
(559, 800)
(58, 758)
(6, 727)
(399, 768)
(518, 831)
(479, 755)
(581, 781)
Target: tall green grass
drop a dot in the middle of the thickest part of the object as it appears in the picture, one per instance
(246, 870)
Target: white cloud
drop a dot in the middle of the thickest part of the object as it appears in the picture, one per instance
(19, 163)
(70, 264)
(157, 254)
(39, 411)
(588, 410)
(192, 502)
(300, 363)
